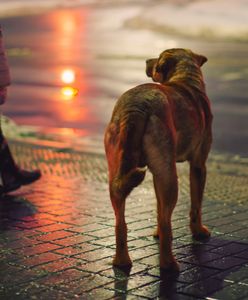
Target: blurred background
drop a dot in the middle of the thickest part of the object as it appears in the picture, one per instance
(70, 61)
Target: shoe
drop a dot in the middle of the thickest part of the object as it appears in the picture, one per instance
(10, 187)
(13, 177)
(1, 190)
(24, 177)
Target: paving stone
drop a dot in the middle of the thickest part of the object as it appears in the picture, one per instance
(226, 263)
(26, 291)
(129, 284)
(38, 249)
(141, 242)
(243, 254)
(37, 259)
(119, 274)
(196, 274)
(73, 240)
(17, 244)
(163, 289)
(53, 236)
(68, 251)
(60, 265)
(87, 246)
(203, 288)
(232, 292)
(91, 256)
(99, 265)
(140, 253)
(240, 275)
(152, 260)
(85, 285)
(99, 293)
(53, 227)
(229, 228)
(7, 269)
(155, 270)
(58, 278)
(106, 241)
(216, 242)
(231, 249)
(241, 234)
(51, 293)
(201, 260)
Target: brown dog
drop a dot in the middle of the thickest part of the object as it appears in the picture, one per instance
(157, 125)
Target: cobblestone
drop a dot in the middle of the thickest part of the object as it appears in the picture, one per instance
(57, 235)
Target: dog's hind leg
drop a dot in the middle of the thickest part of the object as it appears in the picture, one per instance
(118, 199)
(159, 145)
(121, 258)
(125, 172)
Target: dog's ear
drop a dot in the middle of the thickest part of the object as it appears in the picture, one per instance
(165, 65)
(201, 59)
(164, 68)
(150, 63)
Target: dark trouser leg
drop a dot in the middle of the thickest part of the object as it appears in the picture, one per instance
(12, 176)
(7, 163)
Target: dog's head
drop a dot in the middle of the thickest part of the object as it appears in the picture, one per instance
(162, 68)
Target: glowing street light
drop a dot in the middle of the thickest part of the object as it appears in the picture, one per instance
(68, 76)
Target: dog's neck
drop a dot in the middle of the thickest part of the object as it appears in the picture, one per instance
(187, 75)
(189, 80)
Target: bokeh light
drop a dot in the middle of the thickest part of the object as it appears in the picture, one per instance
(68, 76)
(68, 92)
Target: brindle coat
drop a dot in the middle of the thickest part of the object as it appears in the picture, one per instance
(157, 125)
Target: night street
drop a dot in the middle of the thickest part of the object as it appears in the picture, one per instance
(70, 60)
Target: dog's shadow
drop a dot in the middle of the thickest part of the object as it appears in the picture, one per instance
(13, 209)
(205, 273)
(200, 277)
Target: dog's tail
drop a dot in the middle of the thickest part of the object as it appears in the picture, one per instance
(123, 185)
(132, 169)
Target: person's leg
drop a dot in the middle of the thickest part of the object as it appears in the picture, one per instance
(12, 176)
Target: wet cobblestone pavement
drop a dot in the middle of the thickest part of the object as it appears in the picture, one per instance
(57, 235)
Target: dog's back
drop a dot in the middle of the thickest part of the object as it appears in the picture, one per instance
(185, 116)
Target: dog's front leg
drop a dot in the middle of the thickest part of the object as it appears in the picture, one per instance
(121, 258)
(197, 184)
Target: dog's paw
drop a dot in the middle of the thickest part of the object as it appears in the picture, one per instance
(156, 234)
(201, 233)
(122, 262)
(171, 266)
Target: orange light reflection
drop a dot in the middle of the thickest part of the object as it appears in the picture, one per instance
(69, 93)
(70, 34)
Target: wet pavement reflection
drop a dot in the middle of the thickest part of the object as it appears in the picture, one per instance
(51, 77)
(107, 54)
(57, 236)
